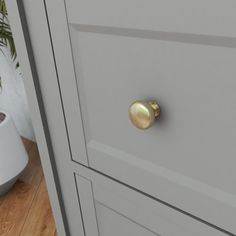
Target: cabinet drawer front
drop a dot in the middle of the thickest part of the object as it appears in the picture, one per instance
(114, 57)
(191, 148)
(209, 17)
(113, 209)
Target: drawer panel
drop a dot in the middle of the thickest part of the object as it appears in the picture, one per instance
(195, 87)
(113, 209)
(210, 17)
(190, 152)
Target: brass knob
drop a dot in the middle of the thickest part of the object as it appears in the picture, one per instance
(143, 114)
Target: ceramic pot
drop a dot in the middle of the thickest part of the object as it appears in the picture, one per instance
(13, 156)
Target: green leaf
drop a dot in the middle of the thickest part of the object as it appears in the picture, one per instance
(3, 8)
(6, 37)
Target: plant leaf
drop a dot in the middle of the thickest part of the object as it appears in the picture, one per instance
(6, 38)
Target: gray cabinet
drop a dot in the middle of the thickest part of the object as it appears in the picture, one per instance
(178, 176)
(110, 208)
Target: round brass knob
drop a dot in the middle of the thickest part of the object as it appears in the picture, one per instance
(143, 114)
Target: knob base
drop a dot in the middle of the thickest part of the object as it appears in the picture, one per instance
(156, 108)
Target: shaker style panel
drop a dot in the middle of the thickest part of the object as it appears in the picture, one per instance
(109, 208)
(110, 54)
(181, 18)
(191, 146)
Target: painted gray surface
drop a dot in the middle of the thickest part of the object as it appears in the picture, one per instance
(48, 85)
(104, 54)
(206, 17)
(66, 74)
(86, 198)
(111, 223)
(195, 86)
(24, 44)
(187, 159)
(122, 211)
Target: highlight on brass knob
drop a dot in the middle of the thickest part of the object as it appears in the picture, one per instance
(143, 114)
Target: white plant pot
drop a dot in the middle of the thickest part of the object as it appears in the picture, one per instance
(13, 156)
(12, 95)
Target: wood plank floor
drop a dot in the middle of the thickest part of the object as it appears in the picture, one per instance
(25, 210)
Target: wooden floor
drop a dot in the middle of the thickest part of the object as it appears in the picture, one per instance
(26, 210)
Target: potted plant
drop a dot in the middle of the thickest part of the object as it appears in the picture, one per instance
(13, 156)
